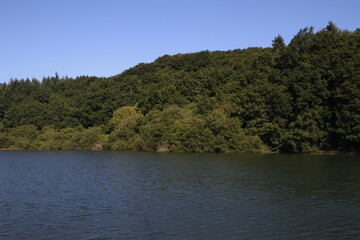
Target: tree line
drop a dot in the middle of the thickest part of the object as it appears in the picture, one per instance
(300, 97)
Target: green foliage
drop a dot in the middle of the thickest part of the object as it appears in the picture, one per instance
(179, 130)
(86, 138)
(300, 97)
(305, 134)
(49, 139)
(125, 129)
(23, 137)
(70, 138)
(230, 136)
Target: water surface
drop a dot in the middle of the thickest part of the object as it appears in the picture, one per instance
(115, 195)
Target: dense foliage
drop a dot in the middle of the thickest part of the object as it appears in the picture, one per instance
(303, 97)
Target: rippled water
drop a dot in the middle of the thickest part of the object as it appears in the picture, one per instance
(112, 195)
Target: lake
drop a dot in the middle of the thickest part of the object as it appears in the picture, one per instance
(117, 195)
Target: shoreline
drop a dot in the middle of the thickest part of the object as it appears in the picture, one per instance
(107, 150)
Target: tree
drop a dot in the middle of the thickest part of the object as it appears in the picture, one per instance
(125, 125)
(299, 97)
(278, 44)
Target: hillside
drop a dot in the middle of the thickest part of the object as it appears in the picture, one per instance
(303, 97)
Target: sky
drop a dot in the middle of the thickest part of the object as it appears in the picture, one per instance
(105, 37)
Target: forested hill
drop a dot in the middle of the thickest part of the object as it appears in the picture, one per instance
(303, 97)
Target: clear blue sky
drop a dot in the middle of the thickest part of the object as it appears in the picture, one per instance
(105, 37)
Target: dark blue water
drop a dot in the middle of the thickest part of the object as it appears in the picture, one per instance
(111, 195)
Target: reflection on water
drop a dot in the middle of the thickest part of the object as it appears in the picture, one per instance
(112, 195)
